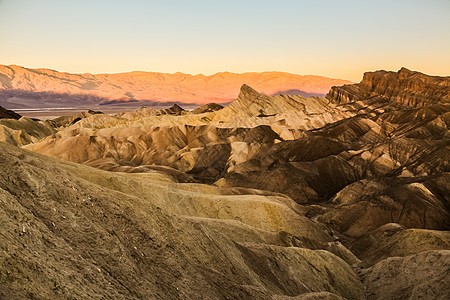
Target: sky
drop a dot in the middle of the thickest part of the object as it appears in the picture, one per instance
(334, 38)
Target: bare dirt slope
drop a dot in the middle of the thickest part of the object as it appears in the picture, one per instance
(72, 232)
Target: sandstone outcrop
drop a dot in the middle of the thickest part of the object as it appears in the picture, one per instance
(405, 87)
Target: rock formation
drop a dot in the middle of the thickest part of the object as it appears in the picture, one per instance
(23, 131)
(8, 114)
(210, 107)
(65, 121)
(404, 87)
(420, 276)
(71, 230)
(343, 197)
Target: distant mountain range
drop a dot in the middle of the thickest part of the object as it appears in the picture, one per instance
(22, 87)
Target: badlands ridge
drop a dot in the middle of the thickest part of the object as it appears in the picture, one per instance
(271, 197)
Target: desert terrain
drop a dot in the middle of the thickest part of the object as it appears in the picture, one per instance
(300, 188)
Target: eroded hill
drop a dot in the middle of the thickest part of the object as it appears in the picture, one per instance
(309, 197)
(70, 231)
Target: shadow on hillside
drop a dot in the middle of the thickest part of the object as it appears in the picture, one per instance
(298, 92)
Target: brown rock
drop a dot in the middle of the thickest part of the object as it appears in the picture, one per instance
(419, 276)
(367, 204)
(91, 233)
(394, 240)
(8, 114)
(405, 87)
(210, 107)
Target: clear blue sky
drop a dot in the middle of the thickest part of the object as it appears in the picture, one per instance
(336, 38)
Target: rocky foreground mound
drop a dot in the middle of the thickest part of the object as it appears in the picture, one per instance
(70, 231)
(344, 197)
